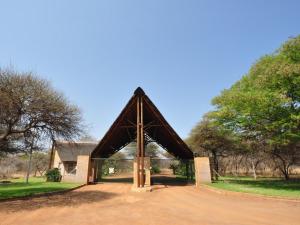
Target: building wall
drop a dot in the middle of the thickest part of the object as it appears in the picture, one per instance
(57, 163)
(82, 170)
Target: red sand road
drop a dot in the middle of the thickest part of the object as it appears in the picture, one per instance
(114, 203)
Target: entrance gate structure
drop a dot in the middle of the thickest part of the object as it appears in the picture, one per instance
(141, 122)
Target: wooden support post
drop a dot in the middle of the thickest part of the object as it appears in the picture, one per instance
(142, 172)
(187, 169)
(138, 141)
(99, 169)
(139, 164)
(192, 170)
(140, 154)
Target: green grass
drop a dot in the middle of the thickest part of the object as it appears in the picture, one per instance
(262, 186)
(18, 187)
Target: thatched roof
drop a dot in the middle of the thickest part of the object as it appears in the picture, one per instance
(68, 151)
(123, 130)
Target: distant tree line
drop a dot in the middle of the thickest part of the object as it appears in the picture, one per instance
(257, 121)
(17, 164)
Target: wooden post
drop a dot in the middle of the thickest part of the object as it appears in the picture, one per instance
(138, 141)
(99, 170)
(192, 170)
(187, 169)
(142, 172)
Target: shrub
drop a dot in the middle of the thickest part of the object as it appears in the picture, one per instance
(53, 175)
(179, 168)
(174, 167)
(155, 170)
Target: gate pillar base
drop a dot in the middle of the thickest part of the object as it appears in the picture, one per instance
(147, 174)
(141, 189)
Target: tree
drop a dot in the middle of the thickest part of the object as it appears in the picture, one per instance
(130, 150)
(208, 138)
(87, 138)
(31, 145)
(253, 150)
(151, 150)
(284, 157)
(264, 105)
(39, 163)
(10, 165)
(30, 106)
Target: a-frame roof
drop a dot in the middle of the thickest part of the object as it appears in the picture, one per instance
(156, 128)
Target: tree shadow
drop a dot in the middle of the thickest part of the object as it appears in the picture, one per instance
(70, 199)
(158, 179)
(169, 180)
(116, 180)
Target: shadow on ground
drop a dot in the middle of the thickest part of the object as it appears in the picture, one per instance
(155, 179)
(70, 199)
(116, 180)
(170, 181)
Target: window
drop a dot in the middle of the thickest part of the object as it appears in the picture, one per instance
(70, 167)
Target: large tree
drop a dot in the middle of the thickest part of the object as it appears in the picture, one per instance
(210, 139)
(151, 150)
(264, 106)
(30, 109)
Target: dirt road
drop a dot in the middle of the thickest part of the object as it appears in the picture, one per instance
(114, 203)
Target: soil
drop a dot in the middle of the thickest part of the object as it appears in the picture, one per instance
(170, 202)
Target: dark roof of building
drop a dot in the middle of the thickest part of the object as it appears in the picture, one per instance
(68, 151)
(123, 130)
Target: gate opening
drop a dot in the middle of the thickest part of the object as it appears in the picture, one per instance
(162, 171)
(172, 172)
(113, 170)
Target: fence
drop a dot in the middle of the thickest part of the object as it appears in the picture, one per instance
(175, 167)
(106, 168)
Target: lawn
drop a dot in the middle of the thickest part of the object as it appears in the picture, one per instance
(262, 186)
(18, 187)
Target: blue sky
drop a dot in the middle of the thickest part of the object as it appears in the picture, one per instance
(182, 53)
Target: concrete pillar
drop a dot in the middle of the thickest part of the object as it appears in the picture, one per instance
(148, 178)
(147, 171)
(98, 170)
(83, 168)
(202, 170)
(92, 172)
(135, 173)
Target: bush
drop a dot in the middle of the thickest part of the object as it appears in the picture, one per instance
(179, 168)
(155, 170)
(53, 175)
(174, 167)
